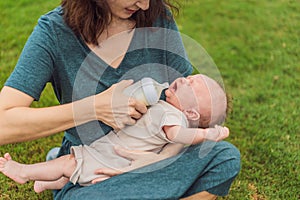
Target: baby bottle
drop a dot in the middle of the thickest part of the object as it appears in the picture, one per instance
(146, 90)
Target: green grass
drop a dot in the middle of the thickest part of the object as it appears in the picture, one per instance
(254, 43)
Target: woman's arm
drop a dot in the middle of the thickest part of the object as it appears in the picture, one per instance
(183, 135)
(19, 122)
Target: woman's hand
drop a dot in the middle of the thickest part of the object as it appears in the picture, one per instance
(116, 109)
(138, 159)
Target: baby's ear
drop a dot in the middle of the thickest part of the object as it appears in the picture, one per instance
(191, 114)
(193, 117)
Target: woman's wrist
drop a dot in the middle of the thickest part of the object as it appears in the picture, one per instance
(84, 110)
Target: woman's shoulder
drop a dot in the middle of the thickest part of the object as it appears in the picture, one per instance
(53, 18)
(53, 24)
(166, 21)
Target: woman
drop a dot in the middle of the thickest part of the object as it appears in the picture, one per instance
(84, 48)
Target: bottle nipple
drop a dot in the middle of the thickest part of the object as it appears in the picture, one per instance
(146, 90)
(152, 90)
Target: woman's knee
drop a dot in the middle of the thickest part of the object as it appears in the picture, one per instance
(231, 157)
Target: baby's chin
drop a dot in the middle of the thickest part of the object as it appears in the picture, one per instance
(167, 91)
(168, 100)
(168, 95)
(172, 99)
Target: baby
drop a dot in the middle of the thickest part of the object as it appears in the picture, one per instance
(193, 108)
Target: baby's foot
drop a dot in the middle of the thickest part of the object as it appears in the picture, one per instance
(40, 186)
(12, 169)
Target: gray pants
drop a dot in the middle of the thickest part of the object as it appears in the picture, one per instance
(185, 175)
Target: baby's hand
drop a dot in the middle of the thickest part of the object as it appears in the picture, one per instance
(217, 133)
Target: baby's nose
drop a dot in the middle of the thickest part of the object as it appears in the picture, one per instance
(187, 81)
(183, 80)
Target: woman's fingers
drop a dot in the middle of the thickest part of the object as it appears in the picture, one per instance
(128, 121)
(138, 159)
(137, 105)
(133, 113)
(97, 180)
(116, 109)
(108, 172)
(126, 153)
(105, 173)
(124, 106)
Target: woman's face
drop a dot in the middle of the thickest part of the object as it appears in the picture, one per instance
(124, 9)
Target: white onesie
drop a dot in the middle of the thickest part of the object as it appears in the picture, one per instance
(147, 135)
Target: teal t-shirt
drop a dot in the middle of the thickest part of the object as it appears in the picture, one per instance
(53, 53)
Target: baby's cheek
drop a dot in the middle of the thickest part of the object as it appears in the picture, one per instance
(176, 103)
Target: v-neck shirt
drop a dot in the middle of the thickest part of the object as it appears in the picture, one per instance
(53, 53)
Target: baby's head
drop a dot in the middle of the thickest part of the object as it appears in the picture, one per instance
(201, 99)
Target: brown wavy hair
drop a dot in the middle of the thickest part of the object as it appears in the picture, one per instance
(89, 18)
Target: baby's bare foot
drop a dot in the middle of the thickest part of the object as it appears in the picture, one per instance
(40, 186)
(12, 169)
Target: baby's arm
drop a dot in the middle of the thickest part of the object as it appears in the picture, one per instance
(183, 135)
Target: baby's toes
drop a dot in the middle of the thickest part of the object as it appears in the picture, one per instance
(2, 162)
(7, 156)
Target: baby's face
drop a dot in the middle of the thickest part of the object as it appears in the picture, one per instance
(191, 92)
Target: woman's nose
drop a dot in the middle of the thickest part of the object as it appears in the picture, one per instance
(143, 4)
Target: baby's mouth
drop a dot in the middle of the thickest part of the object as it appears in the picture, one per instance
(174, 87)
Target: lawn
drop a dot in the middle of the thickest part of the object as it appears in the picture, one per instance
(254, 44)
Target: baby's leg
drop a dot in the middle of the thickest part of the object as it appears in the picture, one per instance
(40, 186)
(46, 171)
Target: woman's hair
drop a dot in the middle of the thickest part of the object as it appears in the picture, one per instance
(89, 18)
